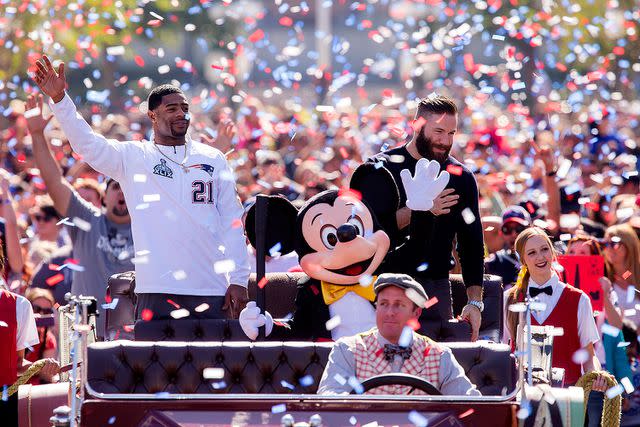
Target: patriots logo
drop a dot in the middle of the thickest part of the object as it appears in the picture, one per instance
(202, 166)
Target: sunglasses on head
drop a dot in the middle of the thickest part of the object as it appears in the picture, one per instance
(510, 228)
(42, 310)
(610, 244)
(42, 218)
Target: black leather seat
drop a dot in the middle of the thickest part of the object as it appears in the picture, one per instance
(280, 293)
(261, 367)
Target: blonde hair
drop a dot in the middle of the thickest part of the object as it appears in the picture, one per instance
(519, 290)
(629, 239)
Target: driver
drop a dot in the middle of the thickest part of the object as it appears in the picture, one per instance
(393, 346)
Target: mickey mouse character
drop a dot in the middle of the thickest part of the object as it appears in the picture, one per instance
(341, 247)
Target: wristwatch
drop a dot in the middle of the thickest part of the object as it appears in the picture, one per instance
(478, 304)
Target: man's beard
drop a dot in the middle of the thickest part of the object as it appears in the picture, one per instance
(424, 145)
(120, 210)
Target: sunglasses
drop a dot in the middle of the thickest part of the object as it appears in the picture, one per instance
(42, 310)
(610, 244)
(508, 229)
(42, 218)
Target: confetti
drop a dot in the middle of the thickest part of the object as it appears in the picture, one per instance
(212, 373)
(418, 419)
(81, 224)
(263, 282)
(580, 357)
(468, 216)
(466, 413)
(355, 385)
(146, 314)
(225, 266)
(278, 409)
(179, 275)
(202, 307)
(628, 387)
(306, 381)
(55, 279)
(610, 330)
(333, 323)
(614, 391)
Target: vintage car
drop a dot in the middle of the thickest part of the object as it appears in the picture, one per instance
(206, 373)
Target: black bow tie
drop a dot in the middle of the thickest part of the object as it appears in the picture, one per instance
(534, 292)
(390, 350)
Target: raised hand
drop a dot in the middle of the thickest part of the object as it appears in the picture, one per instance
(49, 81)
(34, 114)
(425, 185)
(544, 152)
(251, 319)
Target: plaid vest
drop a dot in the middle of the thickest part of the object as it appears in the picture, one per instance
(370, 361)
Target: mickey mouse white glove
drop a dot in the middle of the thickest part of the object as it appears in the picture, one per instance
(251, 319)
(425, 185)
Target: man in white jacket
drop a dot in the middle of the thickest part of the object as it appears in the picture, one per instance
(185, 212)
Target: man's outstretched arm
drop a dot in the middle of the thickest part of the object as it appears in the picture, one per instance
(57, 187)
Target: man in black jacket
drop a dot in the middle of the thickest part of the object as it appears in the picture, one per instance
(429, 234)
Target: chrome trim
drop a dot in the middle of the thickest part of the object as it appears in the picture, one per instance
(298, 397)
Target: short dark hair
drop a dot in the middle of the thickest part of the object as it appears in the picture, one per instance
(155, 97)
(438, 104)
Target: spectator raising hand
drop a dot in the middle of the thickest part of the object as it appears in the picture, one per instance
(223, 142)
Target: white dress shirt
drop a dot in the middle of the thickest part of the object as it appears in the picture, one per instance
(587, 329)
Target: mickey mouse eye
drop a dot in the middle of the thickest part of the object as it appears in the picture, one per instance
(329, 236)
(358, 224)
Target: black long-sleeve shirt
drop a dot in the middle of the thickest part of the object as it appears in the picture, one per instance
(428, 240)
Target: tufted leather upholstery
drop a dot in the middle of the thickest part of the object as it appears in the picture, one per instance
(263, 367)
(280, 295)
(121, 286)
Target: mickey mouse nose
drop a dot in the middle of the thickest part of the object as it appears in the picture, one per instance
(347, 232)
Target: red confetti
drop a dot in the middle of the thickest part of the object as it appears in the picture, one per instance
(431, 302)
(286, 21)
(147, 314)
(348, 192)
(262, 283)
(217, 67)
(314, 289)
(54, 280)
(139, 61)
(626, 275)
(173, 303)
(413, 324)
(237, 223)
(466, 413)
(454, 170)
(256, 35)
(53, 267)
(426, 351)
(344, 153)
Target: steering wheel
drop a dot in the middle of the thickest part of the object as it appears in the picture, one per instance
(412, 381)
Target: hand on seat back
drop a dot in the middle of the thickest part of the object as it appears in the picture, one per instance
(251, 319)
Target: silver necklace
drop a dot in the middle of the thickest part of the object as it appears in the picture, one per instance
(182, 163)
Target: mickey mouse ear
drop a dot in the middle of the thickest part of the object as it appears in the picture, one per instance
(279, 226)
(378, 188)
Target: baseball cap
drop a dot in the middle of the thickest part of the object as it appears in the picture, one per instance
(516, 214)
(402, 281)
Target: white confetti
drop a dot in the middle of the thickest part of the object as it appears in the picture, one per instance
(139, 177)
(202, 307)
(155, 15)
(179, 275)
(115, 50)
(164, 69)
(32, 113)
(538, 306)
(213, 373)
(224, 266)
(610, 330)
(148, 198)
(630, 312)
(339, 378)
(277, 409)
(371, 424)
(518, 308)
(81, 224)
(3, 324)
(219, 385)
(468, 216)
(365, 280)
(353, 420)
(111, 306)
(406, 337)
(180, 313)
(580, 356)
(614, 391)
(306, 381)
(333, 322)
(631, 294)
(626, 383)
(142, 206)
(355, 384)
(418, 419)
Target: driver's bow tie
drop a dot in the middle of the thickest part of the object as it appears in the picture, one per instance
(390, 350)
